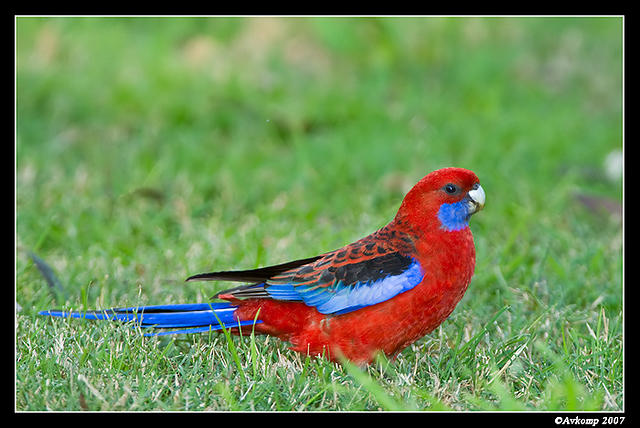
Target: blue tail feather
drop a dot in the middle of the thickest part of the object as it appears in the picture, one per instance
(203, 329)
(202, 317)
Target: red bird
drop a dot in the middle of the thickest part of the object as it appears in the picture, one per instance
(378, 294)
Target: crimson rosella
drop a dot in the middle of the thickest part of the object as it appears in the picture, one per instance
(378, 294)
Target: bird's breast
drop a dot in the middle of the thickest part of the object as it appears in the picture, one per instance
(448, 264)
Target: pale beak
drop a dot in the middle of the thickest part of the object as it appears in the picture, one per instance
(475, 199)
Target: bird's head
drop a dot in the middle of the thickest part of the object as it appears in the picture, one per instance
(443, 200)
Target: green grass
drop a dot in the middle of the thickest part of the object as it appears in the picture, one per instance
(151, 149)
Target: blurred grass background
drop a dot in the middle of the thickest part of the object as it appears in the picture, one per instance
(150, 149)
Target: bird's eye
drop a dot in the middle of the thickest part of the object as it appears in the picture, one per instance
(451, 188)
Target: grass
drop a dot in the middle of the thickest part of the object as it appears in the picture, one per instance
(150, 149)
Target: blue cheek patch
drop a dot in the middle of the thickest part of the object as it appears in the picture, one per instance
(453, 216)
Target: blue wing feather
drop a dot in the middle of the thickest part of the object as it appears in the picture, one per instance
(370, 284)
(342, 298)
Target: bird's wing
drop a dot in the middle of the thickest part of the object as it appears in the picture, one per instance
(364, 273)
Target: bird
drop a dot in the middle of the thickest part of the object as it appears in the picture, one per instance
(378, 294)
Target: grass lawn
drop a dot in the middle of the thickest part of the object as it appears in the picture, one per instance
(151, 149)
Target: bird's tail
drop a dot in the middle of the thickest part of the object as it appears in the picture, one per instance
(181, 318)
